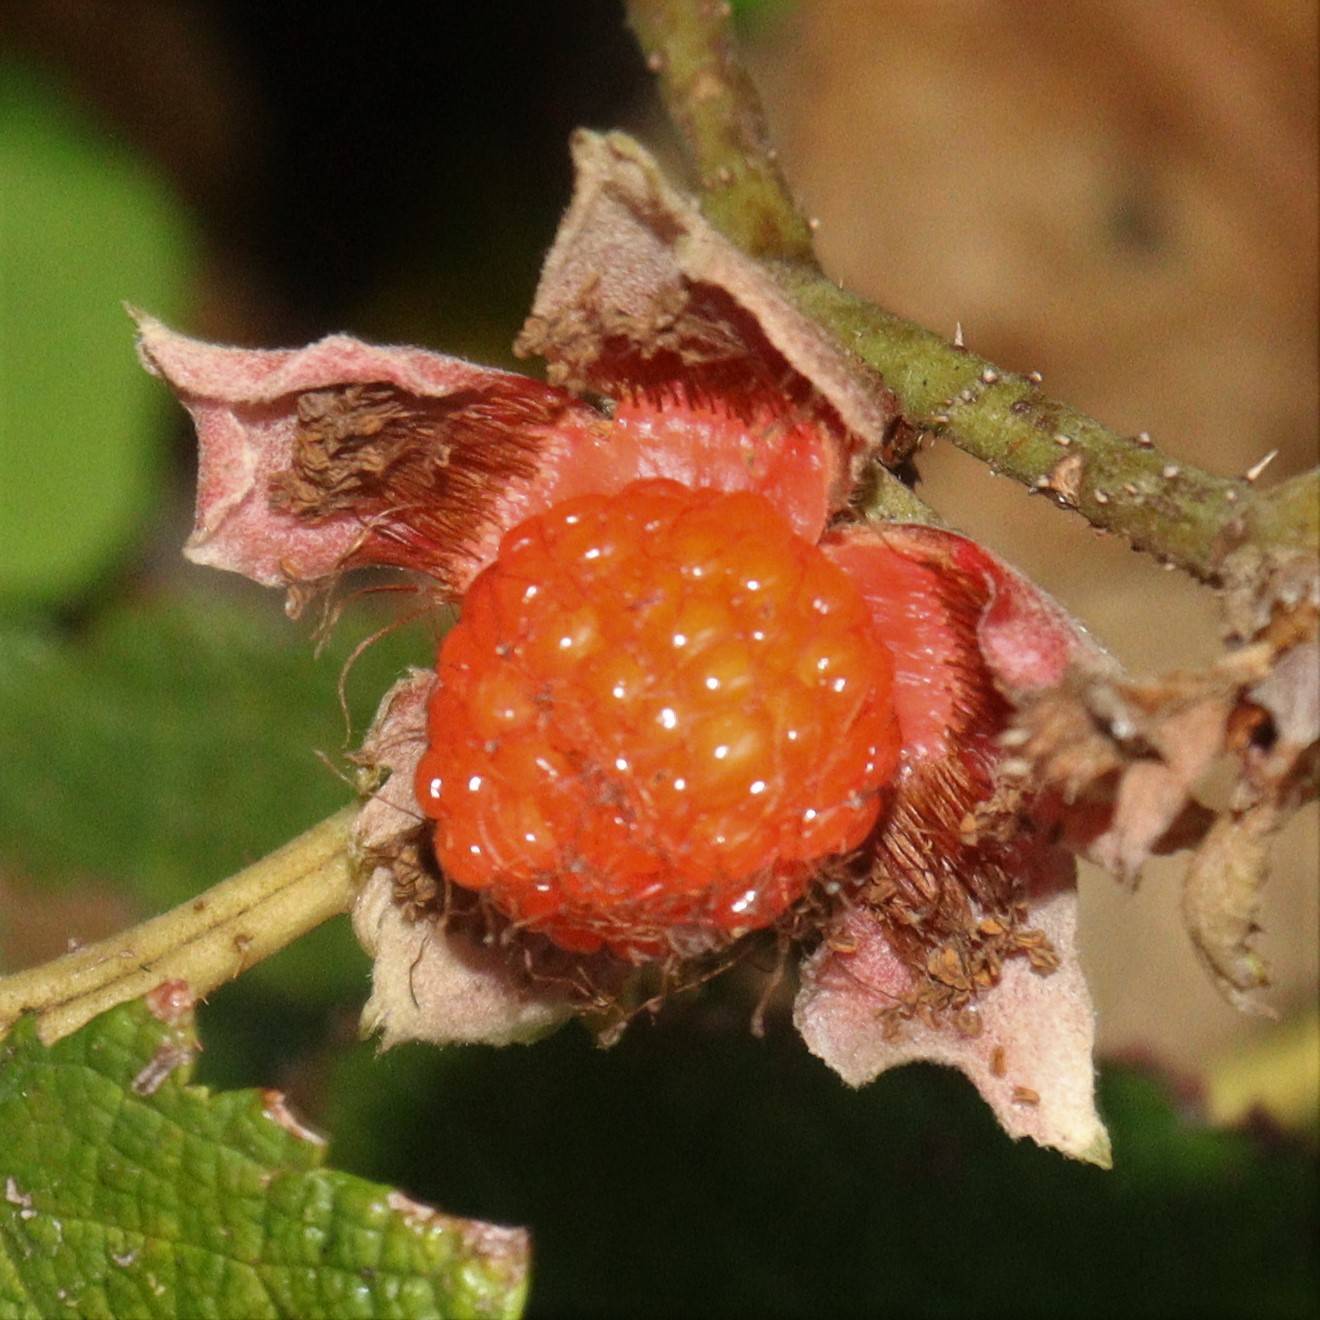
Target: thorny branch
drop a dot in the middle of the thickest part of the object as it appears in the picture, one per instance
(710, 97)
(1120, 483)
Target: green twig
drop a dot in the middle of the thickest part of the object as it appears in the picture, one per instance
(206, 941)
(1120, 483)
(706, 90)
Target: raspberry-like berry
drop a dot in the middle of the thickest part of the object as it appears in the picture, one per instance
(658, 709)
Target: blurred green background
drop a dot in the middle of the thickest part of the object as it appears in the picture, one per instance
(253, 175)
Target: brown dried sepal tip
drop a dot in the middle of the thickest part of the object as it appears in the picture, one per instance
(950, 880)
(421, 474)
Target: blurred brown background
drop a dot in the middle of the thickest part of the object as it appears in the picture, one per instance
(1118, 193)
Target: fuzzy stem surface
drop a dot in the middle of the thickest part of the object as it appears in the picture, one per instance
(206, 941)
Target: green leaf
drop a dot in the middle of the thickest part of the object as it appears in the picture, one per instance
(177, 741)
(84, 226)
(125, 1192)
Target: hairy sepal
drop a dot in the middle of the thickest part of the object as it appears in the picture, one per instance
(428, 982)
(961, 948)
(1026, 1044)
(640, 292)
(344, 454)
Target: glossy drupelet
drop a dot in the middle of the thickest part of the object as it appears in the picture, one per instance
(659, 710)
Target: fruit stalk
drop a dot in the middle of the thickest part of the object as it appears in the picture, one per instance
(206, 941)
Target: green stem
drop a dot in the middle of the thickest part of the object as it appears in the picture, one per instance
(206, 941)
(689, 44)
(1121, 483)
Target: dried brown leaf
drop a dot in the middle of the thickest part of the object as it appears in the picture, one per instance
(1221, 897)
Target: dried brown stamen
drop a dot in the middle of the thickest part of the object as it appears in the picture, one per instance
(424, 475)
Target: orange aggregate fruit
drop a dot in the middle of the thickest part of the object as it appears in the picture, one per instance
(659, 709)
